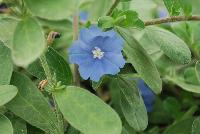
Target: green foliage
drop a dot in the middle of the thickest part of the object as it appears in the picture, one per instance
(166, 57)
(143, 64)
(6, 64)
(86, 112)
(28, 42)
(5, 125)
(30, 105)
(7, 93)
(54, 10)
(170, 44)
(131, 103)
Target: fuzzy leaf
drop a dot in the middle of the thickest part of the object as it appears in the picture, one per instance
(175, 48)
(142, 62)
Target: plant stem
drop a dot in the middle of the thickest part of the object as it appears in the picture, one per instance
(114, 5)
(172, 19)
(75, 37)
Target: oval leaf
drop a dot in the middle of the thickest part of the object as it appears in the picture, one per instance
(52, 9)
(7, 93)
(139, 58)
(132, 104)
(28, 42)
(32, 106)
(175, 48)
(86, 112)
(6, 65)
(185, 86)
(5, 125)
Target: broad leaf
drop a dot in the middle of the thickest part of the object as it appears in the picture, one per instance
(86, 112)
(142, 62)
(196, 126)
(30, 105)
(5, 125)
(132, 104)
(185, 86)
(7, 93)
(51, 9)
(6, 65)
(28, 43)
(7, 25)
(170, 44)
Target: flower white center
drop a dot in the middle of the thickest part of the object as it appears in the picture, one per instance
(97, 53)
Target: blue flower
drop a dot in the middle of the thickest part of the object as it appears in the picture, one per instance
(147, 95)
(97, 53)
(83, 16)
(162, 13)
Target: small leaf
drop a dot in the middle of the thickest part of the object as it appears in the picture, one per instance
(190, 76)
(185, 86)
(142, 62)
(5, 125)
(173, 7)
(106, 22)
(86, 112)
(132, 104)
(28, 42)
(196, 126)
(170, 44)
(7, 93)
(129, 18)
(6, 65)
(197, 69)
(30, 105)
(51, 9)
(59, 68)
(19, 126)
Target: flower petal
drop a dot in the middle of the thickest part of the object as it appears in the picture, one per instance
(114, 44)
(109, 67)
(80, 58)
(78, 47)
(115, 58)
(97, 71)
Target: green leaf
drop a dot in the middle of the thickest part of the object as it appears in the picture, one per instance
(59, 68)
(7, 93)
(7, 25)
(142, 62)
(173, 7)
(5, 125)
(30, 105)
(86, 112)
(197, 69)
(182, 127)
(6, 65)
(132, 104)
(51, 9)
(28, 43)
(186, 6)
(170, 44)
(106, 22)
(129, 18)
(185, 86)
(196, 126)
